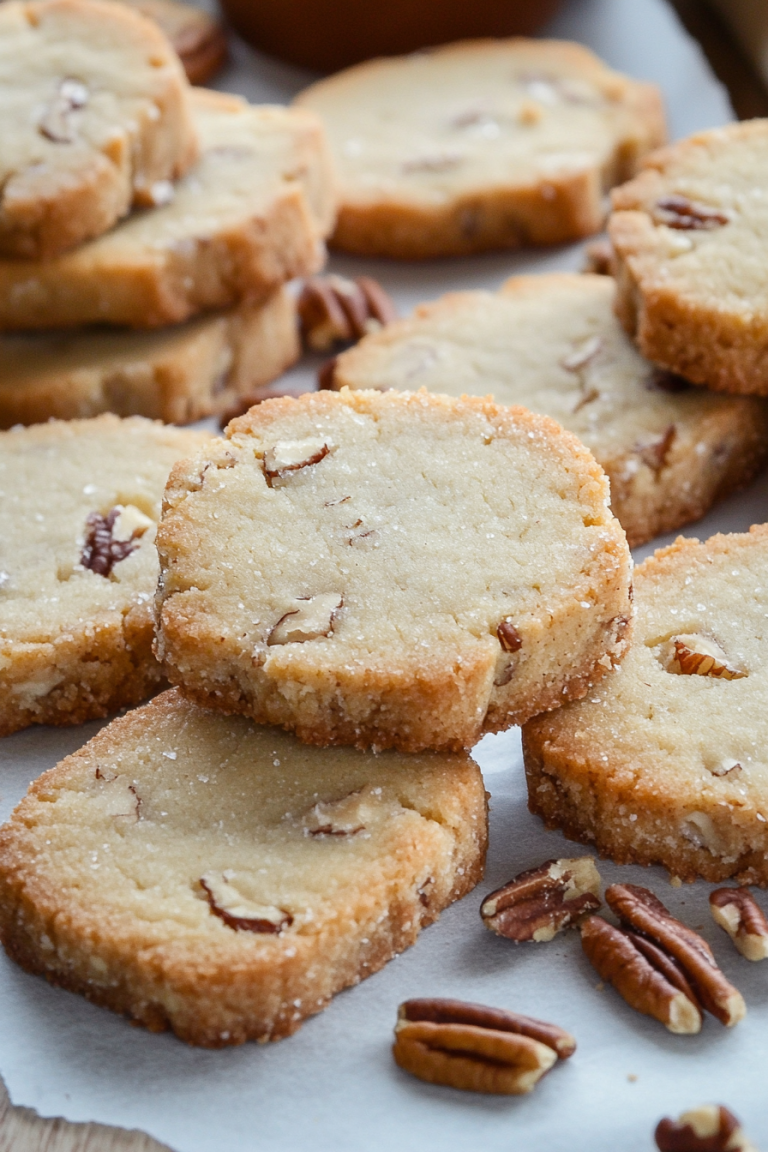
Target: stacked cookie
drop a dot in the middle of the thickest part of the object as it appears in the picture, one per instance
(386, 577)
(131, 200)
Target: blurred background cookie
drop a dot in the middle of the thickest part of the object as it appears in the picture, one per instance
(198, 38)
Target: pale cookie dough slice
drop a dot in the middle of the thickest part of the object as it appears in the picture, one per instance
(553, 344)
(249, 215)
(96, 117)
(481, 144)
(219, 878)
(665, 762)
(690, 236)
(198, 39)
(390, 570)
(173, 374)
(78, 565)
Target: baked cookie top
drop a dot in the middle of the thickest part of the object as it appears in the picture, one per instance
(202, 871)
(553, 344)
(368, 547)
(666, 761)
(96, 117)
(61, 482)
(478, 119)
(688, 233)
(251, 213)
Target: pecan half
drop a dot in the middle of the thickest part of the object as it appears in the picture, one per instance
(111, 538)
(475, 1048)
(739, 914)
(311, 619)
(695, 655)
(542, 901)
(681, 213)
(709, 1128)
(642, 911)
(237, 911)
(616, 956)
(334, 310)
(55, 122)
(288, 456)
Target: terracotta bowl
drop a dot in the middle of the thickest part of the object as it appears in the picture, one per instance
(330, 34)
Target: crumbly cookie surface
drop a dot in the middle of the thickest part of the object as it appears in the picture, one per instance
(552, 343)
(251, 213)
(396, 570)
(177, 374)
(482, 144)
(688, 235)
(216, 877)
(665, 762)
(96, 117)
(75, 640)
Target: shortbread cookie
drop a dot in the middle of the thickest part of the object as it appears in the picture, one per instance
(666, 763)
(96, 117)
(390, 570)
(173, 374)
(205, 874)
(690, 235)
(250, 214)
(553, 344)
(198, 39)
(78, 565)
(482, 144)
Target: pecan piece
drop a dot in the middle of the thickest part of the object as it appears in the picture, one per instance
(681, 213)
(597, 258)
(581, 355)
(288, 456)
(237, 911)
(344, 817)
(616, 956)
(542, 901)
(334, 310)
(709, 1128)
(475, 1048)
(55, 121)
(111, 538)
(644, 913)
(655, 452)
(739, 914)
(691, 655)
(509, 637)
(311, 619)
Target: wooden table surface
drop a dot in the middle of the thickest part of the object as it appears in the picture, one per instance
(22, 1130)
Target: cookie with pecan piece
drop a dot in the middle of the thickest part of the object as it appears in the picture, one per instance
(665, 762)
(208, 875)
(481, 144)
(78, 565)
(390, 569)
(553, 344)
(689, 250)
(250, 214)
(96, 117)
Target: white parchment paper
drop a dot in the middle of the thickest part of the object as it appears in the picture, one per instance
(334, 1086)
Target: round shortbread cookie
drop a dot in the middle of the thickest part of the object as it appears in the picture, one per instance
(390, 570)
(553, 344)
(208, 875)
(175, 374)
(78, 565)
(249, 215)
(666, 762)
(96, 117)
(690, 236)
(197, 37)
(481, 144)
